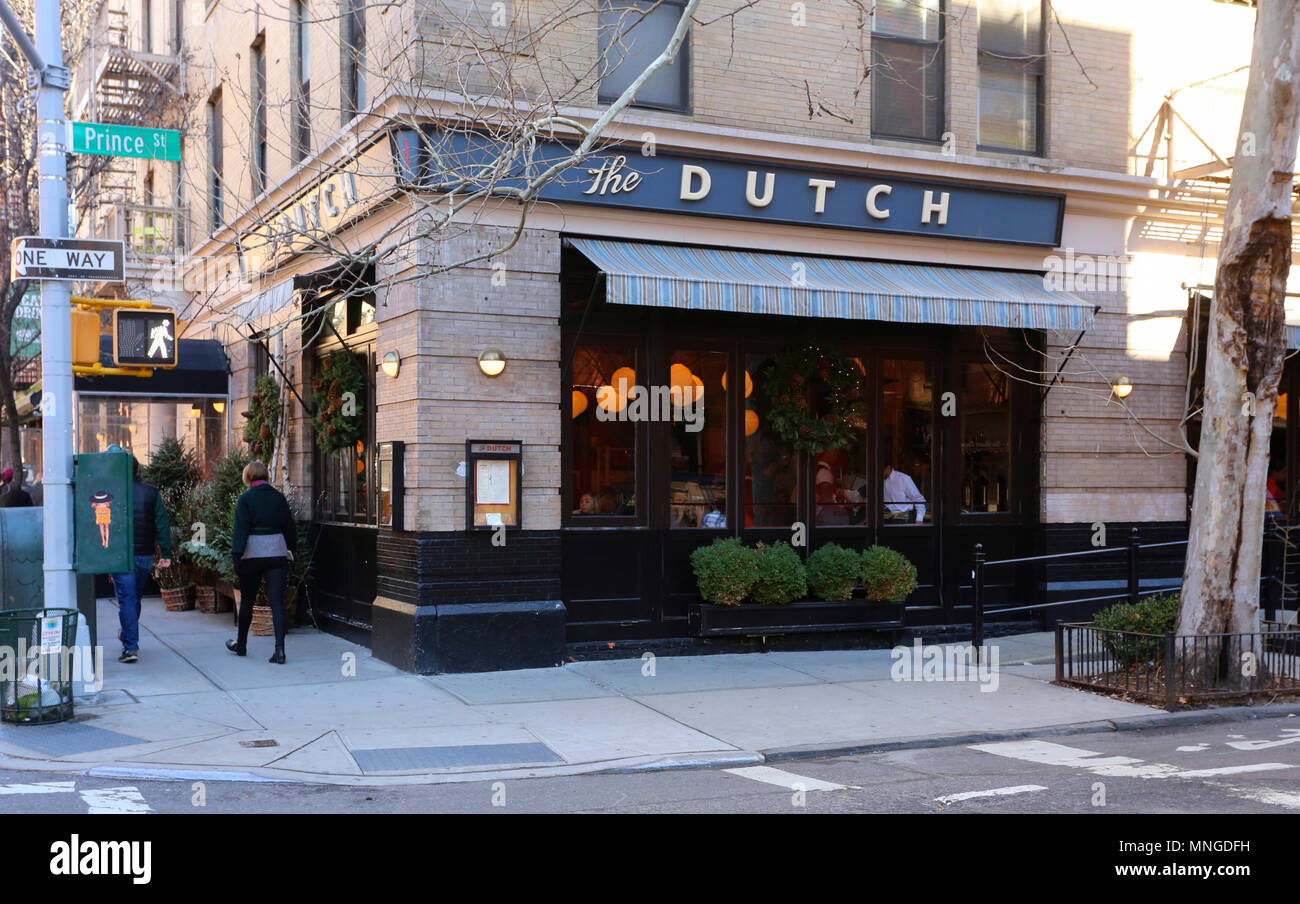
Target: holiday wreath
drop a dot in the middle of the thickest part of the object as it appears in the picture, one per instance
(263, 417)
(816, 396)
(340, 418)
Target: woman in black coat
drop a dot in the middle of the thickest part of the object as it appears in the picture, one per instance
(265, 535)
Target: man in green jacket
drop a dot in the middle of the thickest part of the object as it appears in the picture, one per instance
(151, 526)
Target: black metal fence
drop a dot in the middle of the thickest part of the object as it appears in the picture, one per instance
(1171, 670)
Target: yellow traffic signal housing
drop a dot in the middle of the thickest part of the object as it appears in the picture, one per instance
(85, 338)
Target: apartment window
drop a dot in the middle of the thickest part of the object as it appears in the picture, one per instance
(301, 75)
(1011, 75)
(178, 26)
(257, 102)
(632, 34)
(216, 141)
(147, 37)
(907, 71)
(352, 42)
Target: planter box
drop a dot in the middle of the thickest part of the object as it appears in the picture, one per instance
(804, 616)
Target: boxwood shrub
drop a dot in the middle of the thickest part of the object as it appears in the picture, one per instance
(833, 572)
(1155, 615)
(724, 571)
(887, 574)
(780, 576)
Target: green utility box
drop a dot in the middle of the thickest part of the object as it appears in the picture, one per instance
(103, 526)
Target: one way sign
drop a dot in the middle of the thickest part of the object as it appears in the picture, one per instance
(36, 257)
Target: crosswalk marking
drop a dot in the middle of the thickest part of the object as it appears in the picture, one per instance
(39, 788)
(784, 779)
(992, 792)
(1049, 754)
(115, 800)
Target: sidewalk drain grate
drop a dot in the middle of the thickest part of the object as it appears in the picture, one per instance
(391, 759)
(266, 743)
(66, 738)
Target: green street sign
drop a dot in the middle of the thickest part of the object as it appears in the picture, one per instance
(125, 141)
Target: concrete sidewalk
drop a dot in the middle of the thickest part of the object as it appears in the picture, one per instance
(334, 714)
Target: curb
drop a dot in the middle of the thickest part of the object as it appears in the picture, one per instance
(1132, 723)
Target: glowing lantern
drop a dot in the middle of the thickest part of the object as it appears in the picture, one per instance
(751, 421)
(749, 383)
(681, 384)
(579, 402)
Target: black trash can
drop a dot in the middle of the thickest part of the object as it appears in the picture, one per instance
(36, 665)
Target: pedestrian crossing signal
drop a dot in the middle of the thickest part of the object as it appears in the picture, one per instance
(144, 338)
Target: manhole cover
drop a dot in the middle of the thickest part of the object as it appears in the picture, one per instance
(267, 743)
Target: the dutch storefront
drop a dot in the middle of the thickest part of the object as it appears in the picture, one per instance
(870, 348)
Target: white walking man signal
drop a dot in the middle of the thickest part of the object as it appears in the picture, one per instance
(158, 339)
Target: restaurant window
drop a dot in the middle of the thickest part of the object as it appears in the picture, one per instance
(1011, 75)
(841, 486)
(984, 407)
(602, 480)
(698, 482)
(771, 464)
(139, 423)
(632, 33)
(346, 494)
(907, 442)
(907, 72)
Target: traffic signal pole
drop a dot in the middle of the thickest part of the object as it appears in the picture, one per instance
(46, 58)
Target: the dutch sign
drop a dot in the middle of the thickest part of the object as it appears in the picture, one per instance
(144, 338)
(125, 141)
(37, 257)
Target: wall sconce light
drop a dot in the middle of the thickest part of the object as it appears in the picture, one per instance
(391, 364)
(219, 407)
(491, 362)
(196, 411)
(1122, 387)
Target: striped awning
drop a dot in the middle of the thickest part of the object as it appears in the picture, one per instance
(751, 282)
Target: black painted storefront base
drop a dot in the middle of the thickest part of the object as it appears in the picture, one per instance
(469, 637)
(803, 616)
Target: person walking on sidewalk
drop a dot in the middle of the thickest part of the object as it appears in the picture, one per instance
(151, 526)
(265, 532)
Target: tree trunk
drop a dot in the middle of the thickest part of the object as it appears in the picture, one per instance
(1245, 351)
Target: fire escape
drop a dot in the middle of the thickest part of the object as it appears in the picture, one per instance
(130, 82)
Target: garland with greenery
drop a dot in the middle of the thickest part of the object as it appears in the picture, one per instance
(816, 399)
(339, 374)
(263, 417)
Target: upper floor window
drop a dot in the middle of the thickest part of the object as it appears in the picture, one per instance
(1011, 75)
(257, 102)
(216, 145)
(352, 45)
(301, 85)
(907, 69)
(632, 35)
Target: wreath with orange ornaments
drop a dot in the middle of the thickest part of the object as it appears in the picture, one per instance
(816, 399)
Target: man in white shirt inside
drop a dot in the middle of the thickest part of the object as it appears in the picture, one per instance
(901, 496)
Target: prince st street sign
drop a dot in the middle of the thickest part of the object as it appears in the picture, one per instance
(37, 257)
(125, 141)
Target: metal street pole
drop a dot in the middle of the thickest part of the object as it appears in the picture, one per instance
(56, 317)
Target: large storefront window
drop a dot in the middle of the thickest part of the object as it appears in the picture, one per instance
(698, 483)
(347, 491)
(603, 467)
(840, 476)
(907, 442)
(985, 408)
(139, 424)
(771, 465)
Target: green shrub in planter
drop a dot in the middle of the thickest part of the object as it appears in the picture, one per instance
(724, 571)
(780, 576)
(833, 572)
(887, 574)
(1156, 615)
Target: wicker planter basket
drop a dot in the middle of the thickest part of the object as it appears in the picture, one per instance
(263, 622)
(206, 597)
(179, 599)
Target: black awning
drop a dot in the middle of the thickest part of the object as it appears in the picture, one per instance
(202, 370)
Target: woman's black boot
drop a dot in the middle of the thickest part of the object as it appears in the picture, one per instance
(278, 656)
(236, 647)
